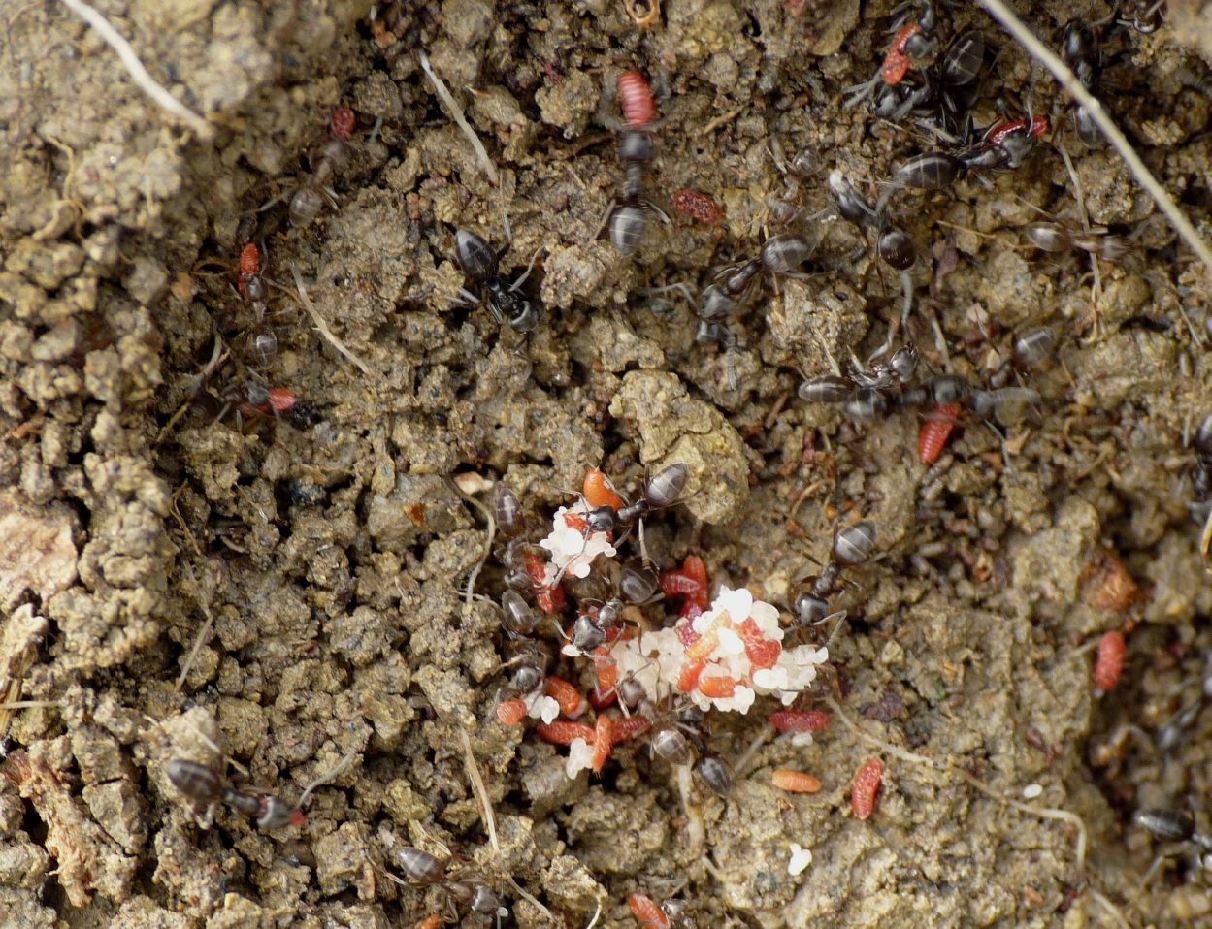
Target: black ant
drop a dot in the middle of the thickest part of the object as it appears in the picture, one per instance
(1004, 146)
(329, 160)
(892, 245)
(865, 391)
(206, 787)
(1201, 507)
(676, 732)
(1080, 49)
(721, 299)
(1053, 237)
(252, 400)
(913, 40)
(422, 868)
(660, 490)
(628, 220)
(949, 88)
(851, 546)
(481, 264)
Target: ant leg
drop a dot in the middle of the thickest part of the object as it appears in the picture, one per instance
(1096, 289)
(644, 559)
(837, 371)
(1205, 538)
(530, 267)
(860, 93)
(907, 298)
(467, 298)
(940, 342)
(840, 616)
(659, 212)
(597, 233)
(663, 307)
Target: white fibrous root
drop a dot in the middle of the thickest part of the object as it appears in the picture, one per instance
(722, 659)
(572, 547)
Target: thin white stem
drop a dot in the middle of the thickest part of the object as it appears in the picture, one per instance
(138, 73)
(322, 325)
(456, 113)
(1068, 80)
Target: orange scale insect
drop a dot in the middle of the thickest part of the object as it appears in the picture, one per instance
(715, 688)
(646, 910)
(1109, 659)
(571, 700)
(606, 668)
(704, 645)
(688, 678)
(597, 491)
(511, 712)
(761, 651)
(794, 782)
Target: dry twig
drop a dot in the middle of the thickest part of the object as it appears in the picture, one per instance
(20, 636)
(322, 326)
(67, 838)
(490, 533)
(138, 73)
(456, 113)
(490, 819)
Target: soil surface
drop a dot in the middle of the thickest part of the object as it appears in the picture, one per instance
(192, 569)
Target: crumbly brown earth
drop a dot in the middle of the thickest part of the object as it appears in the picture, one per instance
(177, 587)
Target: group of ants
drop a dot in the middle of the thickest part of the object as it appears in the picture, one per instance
(919, 79)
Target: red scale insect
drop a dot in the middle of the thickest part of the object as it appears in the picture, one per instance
(250, 267)
(688, 581)
(1035, 127)
(897, 61)
(866, 786)
(1109, 660)
(935, 431)
(686, 633)
(343, 123)
(635, 98)
(696, 205)
(550, 599)
(565, 732)
(799, 720)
